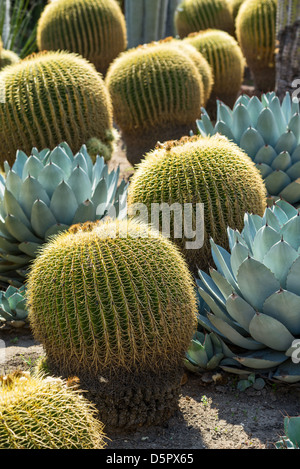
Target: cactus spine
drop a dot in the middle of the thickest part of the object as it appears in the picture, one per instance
(44, 413)
(256, 32)
(225, 57)
(197, 15)
(212, 171)
(50, 98)
(156, 95)
(95, 29)
(116, 301)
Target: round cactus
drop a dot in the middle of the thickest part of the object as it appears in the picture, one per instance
(8, 57)
(235, 6)
(50, 98)
(211, 171)
(156, 95)
(95, 29)
(114, 304)
(44, 413)
(256, 33)
(226, 59)
(197, 15)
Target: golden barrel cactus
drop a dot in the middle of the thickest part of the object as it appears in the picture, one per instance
(95, 29)
(114, 304)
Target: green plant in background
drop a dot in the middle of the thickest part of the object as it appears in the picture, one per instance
(211, 171)
(252, 298)
(44, 413)
(50, 98)
(256, 32)
(149, 20)
(95, 29)
(114, 304)
(291, 439)
(156, 93)
(204, 352)
(269, 132)
(225, 57)
(193, 16)
(8, 57)
(17, 28)
(46, 193)
(13, 308)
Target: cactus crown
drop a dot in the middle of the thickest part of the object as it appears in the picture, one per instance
(114, 296)
(152, 85)
(198, 15)
(53, 97)
(43, 413)
(95, 29)
(225, 57)
(212, 171)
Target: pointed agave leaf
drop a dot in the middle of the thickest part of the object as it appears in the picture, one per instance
(286, 142)
(293, 171)
(223, 129)
(13, 183)
(50, 177)
(285, 307)
(288, 372)
(12, 206)
(213, 305)
(287, 208)
(291, 193)
(291, 232)
(7, 246)
(254, 108)
(286, 107)
(276, 182)
(100, 197)
(282, 161)
(32, 190)
(80, 160)
(294, 126)
(240, 310)
(41, 218)
(265, 155)
(238, 254)
(222, 260)
(86, 211)
(277, 111)
(20, 160)
(18, 230)
(279, 260)
(251, 142)
(211, 287)
(267, 127)
(221, 282)
(32, 167)
(264, 169)
(63, 204)
(240, 121)
(233, 335)
(270, 332)
(208, 127)
(265, 238)
(224, 114)
(256, 282)
(261, 359)
(292, 280)
(197, 354)
(270, 219)
(80, 184)
(280, 214)
(97, 171)
(55, 229)
(62, 160)
(29, 248)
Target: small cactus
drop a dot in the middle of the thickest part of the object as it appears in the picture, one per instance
(95, 29)
(39, 412)
(8, 57)
(256, 33)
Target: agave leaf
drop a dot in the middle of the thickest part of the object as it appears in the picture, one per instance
(280, 213)
(62, 160)
(231, 333)
(288, 372)
(291, 231)
(13, 183)
(294, 126)
(270, 332)
(224, 114)
(240, 121)
(291, 193)
(197, 354)
(285, 307)
(296, 154)
(277, 111)
(292, 280)
(80, 184)
(222, 260)
(251, 141)
(294, 171)
(223, 129)
(63, 203)
(79, 161)
(12, 206)
(217, 309)
(208, 127)
(287, 208)
(233, 236)
(279, 259)
(254, 108)
(261, 359)
(7, 246)
(282, 162)
(265, 238)
(29, 248)
(265, 155)
(32, 167)
(50, 177)
(256, 282)
(18, 230)
(264, 169)
(221, 282)
(55, 229)
(286, 142)
(267, 127)
(30, 191)
(238, 254)
(41, 218)
(240, 310)
(276, 182)
(19, 162)
(86, 211)
(286, 107)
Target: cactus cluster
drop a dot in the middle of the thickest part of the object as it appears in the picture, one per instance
(197, 15)
(95, 29)
(156, 94)
(115, 300)
(8, 57)
(53, 97)
(196, 170)
(38, 412)
(225, 57)
(256, 34)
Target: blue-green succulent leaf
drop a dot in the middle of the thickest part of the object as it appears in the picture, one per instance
(240, 310)
(279, 260)
(285, 307)
(270, 332)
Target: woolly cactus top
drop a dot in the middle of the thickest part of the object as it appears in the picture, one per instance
(112, 296)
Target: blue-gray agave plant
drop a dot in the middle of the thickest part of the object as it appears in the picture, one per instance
(269, 132)
(46, 193)
(252, 299)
